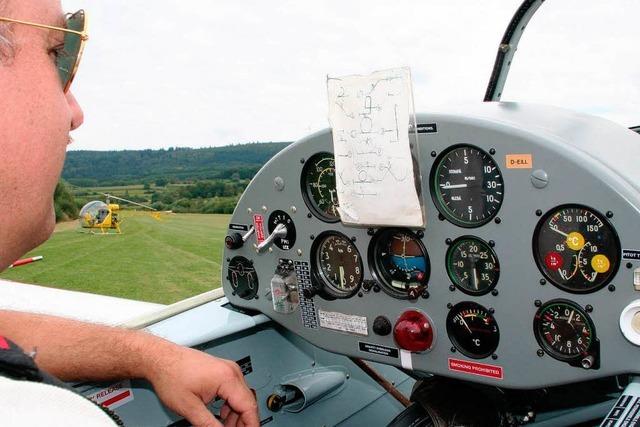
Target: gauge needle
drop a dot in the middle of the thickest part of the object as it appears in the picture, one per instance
(475, 278)
(450, 186)
(465, 325)
(559, 232)
(571, 316)
(342, 276)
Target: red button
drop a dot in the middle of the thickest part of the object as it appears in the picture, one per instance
(413, 331)
(553, 260)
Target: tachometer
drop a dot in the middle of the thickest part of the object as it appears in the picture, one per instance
(467, 186)
(400, 261)
(337, 265)
(576, 248)
(472, 265)
(565, 332)
(318, 182)
(473, 330)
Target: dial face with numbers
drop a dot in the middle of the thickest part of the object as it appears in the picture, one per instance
(319, 186)
(576, 248)
(473, 330)
(564, 330)
(337, 264)
(467, 186)
(472, 265)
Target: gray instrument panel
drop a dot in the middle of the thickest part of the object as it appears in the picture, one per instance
(577, 160)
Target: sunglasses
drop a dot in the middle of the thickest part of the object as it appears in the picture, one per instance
(75, 37)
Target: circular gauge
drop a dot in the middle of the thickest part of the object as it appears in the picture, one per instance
(336, 264)
(243, 277)
(318, 181)
(281, 217)
(576, 248)
(472, 265)
(467, 186)
(563, 330)
(400, 261)
(473, 330)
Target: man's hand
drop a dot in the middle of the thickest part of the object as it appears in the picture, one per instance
(186, 380)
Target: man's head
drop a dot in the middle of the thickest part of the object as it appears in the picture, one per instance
(36, 117)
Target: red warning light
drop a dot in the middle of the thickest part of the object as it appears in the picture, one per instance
(553, 260)
(413, 331)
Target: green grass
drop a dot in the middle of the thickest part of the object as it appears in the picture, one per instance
(157, 261)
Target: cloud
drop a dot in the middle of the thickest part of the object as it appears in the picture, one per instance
(199, 73)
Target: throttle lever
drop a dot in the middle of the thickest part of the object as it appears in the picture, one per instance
(279, 231)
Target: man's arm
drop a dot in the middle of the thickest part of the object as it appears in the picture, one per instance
(183, 378)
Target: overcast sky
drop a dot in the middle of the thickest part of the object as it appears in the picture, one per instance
(196, 73)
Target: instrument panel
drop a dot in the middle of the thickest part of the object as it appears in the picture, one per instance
(519, 278)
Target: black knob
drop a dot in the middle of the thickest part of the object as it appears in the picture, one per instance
(275, 402)
(310, 292)
(233, 241)
(382, 326)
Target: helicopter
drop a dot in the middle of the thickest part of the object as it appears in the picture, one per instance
(103, 216)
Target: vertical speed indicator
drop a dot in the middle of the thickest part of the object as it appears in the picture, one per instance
(467, 186)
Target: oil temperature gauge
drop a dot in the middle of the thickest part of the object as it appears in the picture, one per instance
(473, 330)
(472, 265)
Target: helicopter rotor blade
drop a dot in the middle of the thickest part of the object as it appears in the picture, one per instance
(111, 196)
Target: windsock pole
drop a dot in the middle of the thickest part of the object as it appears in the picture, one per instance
(26, 261)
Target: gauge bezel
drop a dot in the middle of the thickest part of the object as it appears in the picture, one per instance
(328, 289)
(449, 255)
(308, 198)
(453, 312)
(377, 268)
(540, 263)
(437, 197)
(243, 260)
(550, 350)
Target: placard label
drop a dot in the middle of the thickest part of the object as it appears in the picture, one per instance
(475, 368)
(378, 349)
(343, 322)
(519, 161)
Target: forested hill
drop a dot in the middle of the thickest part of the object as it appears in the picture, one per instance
(93, 168)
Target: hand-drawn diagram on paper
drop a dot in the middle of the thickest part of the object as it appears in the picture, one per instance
(370, 118)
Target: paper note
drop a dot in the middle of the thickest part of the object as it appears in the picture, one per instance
(370, 117)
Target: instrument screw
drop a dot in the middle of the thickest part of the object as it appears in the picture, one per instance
(589, 308)
(453, 349)
(441, 217)
(629, 265)
(299, 252)
(492, 243)
(249, 210)
(492, 151)
(293, 209)
(353, 238)
(448, 241)
(452, 288)
(609, 214)
(612, 288)
(228, 259)
(449, 305)
(538, 212)
(376, 288)
(302, 160)
(360, 294)
(494, 356)
(370, 232)
(497, 220)
(420, 234)
(537, 303)
(494, 292)
(312, 236)
(433, 154)
(543, 282)
(309, 215)
(256, 297)
(540, 353)
(492, 310)
(425, 294)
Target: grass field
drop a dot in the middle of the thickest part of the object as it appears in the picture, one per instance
(157, 261)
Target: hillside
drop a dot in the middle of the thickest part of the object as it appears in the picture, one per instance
(109, 168)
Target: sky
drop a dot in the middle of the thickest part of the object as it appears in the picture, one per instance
(200, 73)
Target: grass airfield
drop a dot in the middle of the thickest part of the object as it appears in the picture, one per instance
(161, 261)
